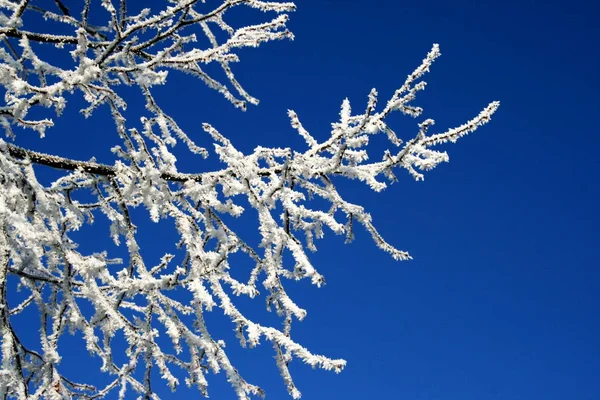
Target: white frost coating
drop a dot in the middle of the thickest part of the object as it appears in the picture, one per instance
(146, 303)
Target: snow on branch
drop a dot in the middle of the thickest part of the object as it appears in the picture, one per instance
(132, 297)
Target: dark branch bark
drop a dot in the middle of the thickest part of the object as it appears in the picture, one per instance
(38, 37)
(87, 166)
(59, 162)
(62, 7)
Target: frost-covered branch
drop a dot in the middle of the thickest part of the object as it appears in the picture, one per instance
(134, 297)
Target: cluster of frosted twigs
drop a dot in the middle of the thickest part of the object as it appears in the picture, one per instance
(131, 298)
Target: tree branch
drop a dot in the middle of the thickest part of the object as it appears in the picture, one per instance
(38, 37)
(87, 166)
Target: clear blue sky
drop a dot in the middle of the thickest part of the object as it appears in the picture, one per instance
(501, 300)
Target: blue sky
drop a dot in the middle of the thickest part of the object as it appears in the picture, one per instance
(501, 299)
